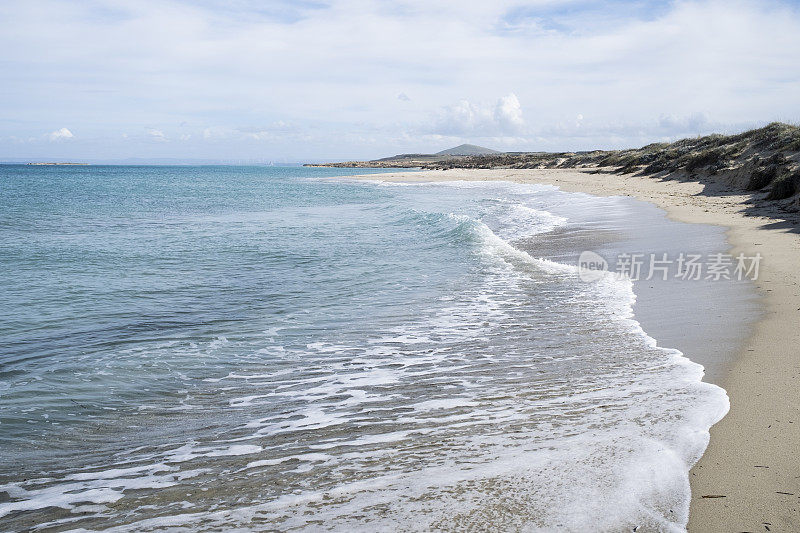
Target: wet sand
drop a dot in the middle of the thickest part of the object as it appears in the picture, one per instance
(750, 469)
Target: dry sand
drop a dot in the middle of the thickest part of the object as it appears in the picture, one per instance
(753, 459)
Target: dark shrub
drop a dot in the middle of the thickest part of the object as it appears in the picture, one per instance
(761, 177)
(778, 158)
(609, 161)
(703, 159)
(785, 186)
(629, 168)
(659, 165)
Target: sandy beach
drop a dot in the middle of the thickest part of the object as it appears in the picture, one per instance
(749, 477)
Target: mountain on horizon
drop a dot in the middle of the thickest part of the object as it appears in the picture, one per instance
(468, 149)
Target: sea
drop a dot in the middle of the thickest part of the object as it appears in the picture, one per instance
(209, 348)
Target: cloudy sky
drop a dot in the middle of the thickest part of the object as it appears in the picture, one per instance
(292, 80)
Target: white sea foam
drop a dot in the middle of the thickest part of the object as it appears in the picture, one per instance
(102, 487)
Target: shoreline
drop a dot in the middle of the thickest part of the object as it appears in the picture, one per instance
(751, 458)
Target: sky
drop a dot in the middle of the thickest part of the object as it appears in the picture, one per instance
(314, 80)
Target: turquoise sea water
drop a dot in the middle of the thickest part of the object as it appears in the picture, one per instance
(253, 347)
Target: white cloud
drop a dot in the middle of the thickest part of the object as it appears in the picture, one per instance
(694, 123)
(217, 133)
(504, 117)
(261, 136)
(508, 114)
(61, 134)
(158, 135)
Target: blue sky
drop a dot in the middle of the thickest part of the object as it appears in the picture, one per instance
(315, 80)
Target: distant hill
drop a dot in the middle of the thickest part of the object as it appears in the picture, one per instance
(468, 149)
(464, 151)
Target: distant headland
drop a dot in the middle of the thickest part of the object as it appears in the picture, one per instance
(58, 164)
